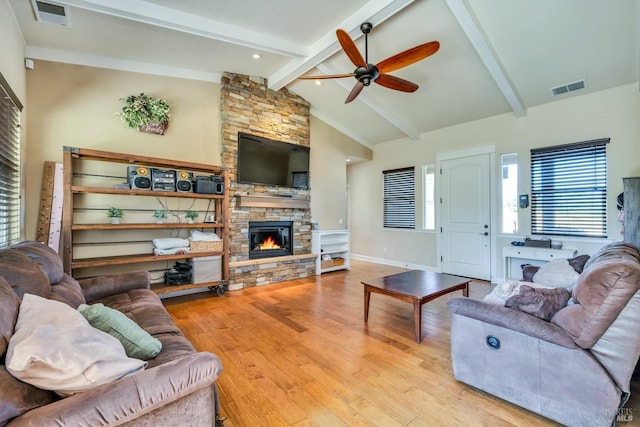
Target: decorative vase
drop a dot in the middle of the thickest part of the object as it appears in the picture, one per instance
(190, 220)
(159, 221)
(115, 220)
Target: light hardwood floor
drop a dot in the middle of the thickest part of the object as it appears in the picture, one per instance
(299, 354)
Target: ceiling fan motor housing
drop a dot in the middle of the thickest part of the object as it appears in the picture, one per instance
(366, 75)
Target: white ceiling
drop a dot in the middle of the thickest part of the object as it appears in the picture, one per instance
(496, 56)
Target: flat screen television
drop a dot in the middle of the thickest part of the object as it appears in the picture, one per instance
(268, 162)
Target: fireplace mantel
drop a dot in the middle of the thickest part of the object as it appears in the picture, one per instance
(267, 201)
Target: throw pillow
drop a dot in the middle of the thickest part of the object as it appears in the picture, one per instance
(136, 341)
(556, 273)
(54, 348)
(502, 292)
(578, 262)
(540, 302)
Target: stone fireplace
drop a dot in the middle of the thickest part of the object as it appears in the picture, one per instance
(247, 105)
(269, 239)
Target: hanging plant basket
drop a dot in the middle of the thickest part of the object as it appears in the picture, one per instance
(147, 114)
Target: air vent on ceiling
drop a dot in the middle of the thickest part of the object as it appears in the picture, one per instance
(51, 13)
(569, 87)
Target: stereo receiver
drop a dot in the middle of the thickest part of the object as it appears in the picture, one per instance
(163, 180)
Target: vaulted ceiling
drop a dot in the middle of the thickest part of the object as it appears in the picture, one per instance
(496, 56)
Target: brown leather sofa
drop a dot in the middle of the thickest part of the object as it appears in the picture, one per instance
(177, 387)
(574, 369)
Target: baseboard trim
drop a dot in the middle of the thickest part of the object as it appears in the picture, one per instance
(394, 263)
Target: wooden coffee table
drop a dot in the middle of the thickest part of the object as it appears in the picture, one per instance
(417, 287)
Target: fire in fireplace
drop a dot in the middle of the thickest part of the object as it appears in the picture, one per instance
(270, 239)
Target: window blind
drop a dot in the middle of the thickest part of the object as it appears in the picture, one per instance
(569, 189)
(9, 166)
(399, 198)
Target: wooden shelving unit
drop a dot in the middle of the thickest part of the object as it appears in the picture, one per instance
(73, 158)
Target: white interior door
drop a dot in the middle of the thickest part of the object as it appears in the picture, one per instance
(465, 216)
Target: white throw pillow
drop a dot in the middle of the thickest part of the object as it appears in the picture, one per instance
(502, 292)
(557, 273)
(54, 348)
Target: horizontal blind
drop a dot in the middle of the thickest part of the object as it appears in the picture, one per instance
(569, 189)
(399, 198)
(9, 168)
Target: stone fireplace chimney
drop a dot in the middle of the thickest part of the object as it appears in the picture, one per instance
(248, 105)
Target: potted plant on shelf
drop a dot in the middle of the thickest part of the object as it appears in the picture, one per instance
(115, 214)
(191, 215)
(145, 113)
(160, 215)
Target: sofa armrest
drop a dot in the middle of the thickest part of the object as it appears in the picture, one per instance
(512, 319)
(130, 397)
(99, 287)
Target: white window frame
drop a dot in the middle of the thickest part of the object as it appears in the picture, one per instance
(10, 185)
(509, 197)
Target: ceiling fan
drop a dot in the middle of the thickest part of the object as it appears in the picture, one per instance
(366, 73)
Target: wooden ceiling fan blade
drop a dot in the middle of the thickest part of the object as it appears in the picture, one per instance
(350, 48)
(328, 76)
(354, 92)
(396, 83)
(408, 57)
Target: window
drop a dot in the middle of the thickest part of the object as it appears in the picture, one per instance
(10, 109)
(509, 193)
(429, 198)
(569, 189)
(399, 198)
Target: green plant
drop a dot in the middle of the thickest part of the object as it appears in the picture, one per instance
(114, 212)
(160, 213)
(191, 214)
(142, 110)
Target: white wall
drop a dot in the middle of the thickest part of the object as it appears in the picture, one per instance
(613, 113)
(328, 171)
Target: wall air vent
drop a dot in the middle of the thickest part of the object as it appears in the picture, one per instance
(51, 13)
(569, 87)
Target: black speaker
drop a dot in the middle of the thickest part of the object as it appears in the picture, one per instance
(139, 178)
(184, 181)
(211, 184)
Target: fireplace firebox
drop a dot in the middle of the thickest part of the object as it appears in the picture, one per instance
(270, 239)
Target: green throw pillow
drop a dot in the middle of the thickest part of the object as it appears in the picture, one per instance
(136, 341)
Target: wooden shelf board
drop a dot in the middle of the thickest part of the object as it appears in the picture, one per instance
(134, 259)
(161, 288)
(122, 191)
(147, 226)
(89, 154)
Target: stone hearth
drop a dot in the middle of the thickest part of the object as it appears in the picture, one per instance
(247, 105)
